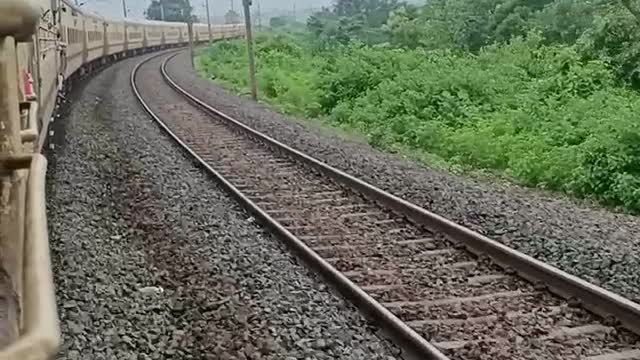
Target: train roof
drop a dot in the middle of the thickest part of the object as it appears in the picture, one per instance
(143, 22)
(154, 22)
(166, 23)
(83, 12)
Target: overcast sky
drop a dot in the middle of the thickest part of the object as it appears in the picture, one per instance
(113, 8)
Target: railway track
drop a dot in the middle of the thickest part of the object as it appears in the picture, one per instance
(437, 290)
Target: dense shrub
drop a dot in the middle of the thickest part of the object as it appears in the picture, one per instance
(538, 113)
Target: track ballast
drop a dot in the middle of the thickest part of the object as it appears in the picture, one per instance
(421, 284)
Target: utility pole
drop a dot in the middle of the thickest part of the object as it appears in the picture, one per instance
(259, 15)
(190, 29)
(252, 65)
(209, 23)
(232, 5)
(162, 10)
(124, 8)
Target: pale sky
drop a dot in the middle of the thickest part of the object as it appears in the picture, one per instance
(113, 8)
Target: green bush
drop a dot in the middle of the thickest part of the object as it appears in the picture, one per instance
(538, 113)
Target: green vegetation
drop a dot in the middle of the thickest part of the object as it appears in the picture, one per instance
(173, 10)
(542, 91)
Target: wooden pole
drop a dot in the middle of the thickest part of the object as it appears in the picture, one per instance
(252, 66)
(209, 23)
(190, 28)
(259, 16)
(162, 10)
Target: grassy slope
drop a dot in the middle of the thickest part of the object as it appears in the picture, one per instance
(535, 114)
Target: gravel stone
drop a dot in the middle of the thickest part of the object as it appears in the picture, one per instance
(596, 244)
(129, 211)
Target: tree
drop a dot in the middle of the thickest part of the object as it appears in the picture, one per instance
(615, 38)
(565, 21)
(315, 25)
(232, 17)
(404, 27)
(376, 12)
(349, 20)
(174, 10)
(459, 24)
(633, 7)
(285, 21)
(278, 22)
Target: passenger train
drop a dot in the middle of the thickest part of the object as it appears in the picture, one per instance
(45, 44)
(72, 41)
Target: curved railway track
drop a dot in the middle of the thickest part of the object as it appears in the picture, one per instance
(438, 290)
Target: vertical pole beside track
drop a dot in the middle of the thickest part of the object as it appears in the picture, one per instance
(209, 23)
(259, 19)
(190, 30)
(252, 65)
(124, 8)
(162, 10)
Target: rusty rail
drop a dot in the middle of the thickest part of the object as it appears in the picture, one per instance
(414, 346)
(594, 298)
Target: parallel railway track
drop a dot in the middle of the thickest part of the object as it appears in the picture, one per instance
(438, 290)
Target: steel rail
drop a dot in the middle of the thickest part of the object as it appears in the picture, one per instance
(412, 344)
(594, 298)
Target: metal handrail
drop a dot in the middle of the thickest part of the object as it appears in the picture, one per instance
(30, 134)
(40, 334)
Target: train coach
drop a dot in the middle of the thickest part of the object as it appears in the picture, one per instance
(45, 44)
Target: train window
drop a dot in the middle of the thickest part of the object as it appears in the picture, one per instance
(155, 34)
(116, 35)
(75, 36)
(95, 36)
